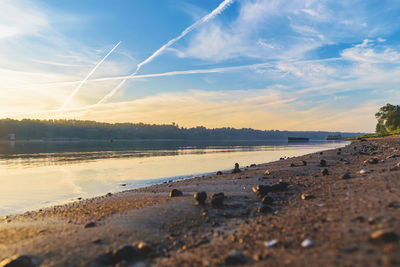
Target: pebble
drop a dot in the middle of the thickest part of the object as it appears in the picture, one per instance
(325, 172)
(306, 243)
(346, 176)
(262, 190)
(322, 163)
(219, 173)
(20, 261)
(386, 236)
(267, 172)
(271, 243)
(143, 247)
(200, 197)
(265, 209)
(304, 162)
(364, 171)
(235, 257)
(175, 193)
(127, 252)
(236, 169)
(267, 200)
(90, 225)
(217, 200)
(371, 161)
(292, 165)
(307, 196)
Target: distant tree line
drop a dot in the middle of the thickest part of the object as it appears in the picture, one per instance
(51, 129)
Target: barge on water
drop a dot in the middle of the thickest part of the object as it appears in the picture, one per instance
(298, 139)
(334, 137)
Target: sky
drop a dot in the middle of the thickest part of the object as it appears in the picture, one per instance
(263, 64)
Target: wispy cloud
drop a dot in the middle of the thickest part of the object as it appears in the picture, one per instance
(20, 17)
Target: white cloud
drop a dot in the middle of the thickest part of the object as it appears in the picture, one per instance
(19, 17)
(367, 52)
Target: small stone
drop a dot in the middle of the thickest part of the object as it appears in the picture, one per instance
(175, 193)
(20, 261)
(349, 249)
(322, 163)
(304, 162)
(371, 161)
(346, 162)
(123, 184)
(97, 241)
(235, 257)
(307, 196)
(267, 172)
(253, 165)
(321, 153)
(219, 173)
(267, 200)
(200, 197)
(236, 169)
(217, 200)
(265, 209)
(306, 243)
(364, 171)
(392, 156)
(127, 252)
(143, 247)
(338, 153)
(271, 243)
(360, 219)
(90, 225)
(109, 194)
(262, 190)
(386, 236)
(325, 172)
(346, 176)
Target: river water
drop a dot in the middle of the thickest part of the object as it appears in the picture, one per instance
(36, 174)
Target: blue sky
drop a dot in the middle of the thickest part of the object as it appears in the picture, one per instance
(265, 64)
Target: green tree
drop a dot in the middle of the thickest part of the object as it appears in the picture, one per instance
(388, 118)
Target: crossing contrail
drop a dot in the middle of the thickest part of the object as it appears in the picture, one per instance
(86, 78)
(185, 72)
(206, 18)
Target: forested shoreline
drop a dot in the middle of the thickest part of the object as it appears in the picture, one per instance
(28, 129)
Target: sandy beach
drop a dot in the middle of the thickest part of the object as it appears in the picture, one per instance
(318, 210)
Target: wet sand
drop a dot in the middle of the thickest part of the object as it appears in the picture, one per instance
(349, 222)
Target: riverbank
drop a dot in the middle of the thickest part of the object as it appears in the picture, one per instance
(340, 218)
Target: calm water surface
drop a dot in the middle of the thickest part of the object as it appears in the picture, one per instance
(38, 174)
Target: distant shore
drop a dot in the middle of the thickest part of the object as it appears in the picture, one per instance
(328, 214)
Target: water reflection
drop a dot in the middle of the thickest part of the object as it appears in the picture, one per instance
(37, 174)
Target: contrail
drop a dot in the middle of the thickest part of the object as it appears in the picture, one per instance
(87, 77)
(182, 72)
(206, 18)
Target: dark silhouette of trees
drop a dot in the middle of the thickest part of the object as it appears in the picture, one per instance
(54, 129)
